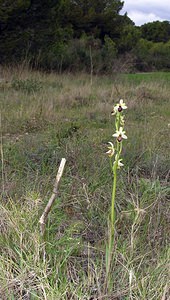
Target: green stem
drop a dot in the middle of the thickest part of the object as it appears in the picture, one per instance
(111, 167)
(113, 199)
(112, 220)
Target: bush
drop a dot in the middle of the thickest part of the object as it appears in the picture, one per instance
(27, 85)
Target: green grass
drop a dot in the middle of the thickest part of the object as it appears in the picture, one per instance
(138, 78)
(45, 117)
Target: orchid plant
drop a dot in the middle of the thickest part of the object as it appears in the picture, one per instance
(114, 152)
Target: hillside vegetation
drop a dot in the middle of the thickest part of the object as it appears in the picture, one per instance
(75, 35)
(45, 117)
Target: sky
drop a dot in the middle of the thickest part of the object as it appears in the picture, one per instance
(144, 11)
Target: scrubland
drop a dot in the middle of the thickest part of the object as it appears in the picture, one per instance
(44, 117)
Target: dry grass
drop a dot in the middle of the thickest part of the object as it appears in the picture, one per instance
(46, 117)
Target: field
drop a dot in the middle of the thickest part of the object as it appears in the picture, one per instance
(44, 117)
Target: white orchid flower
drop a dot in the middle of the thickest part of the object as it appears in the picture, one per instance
(120, 134)
(119, 107)
(119, 163)
(111, 150)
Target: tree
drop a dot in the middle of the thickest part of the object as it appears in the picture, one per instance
(142, 53)
(129, 37)
(160, 55)
(156, 31)
(30, 27)
(98, 17)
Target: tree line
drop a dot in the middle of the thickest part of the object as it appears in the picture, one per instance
(76, 35)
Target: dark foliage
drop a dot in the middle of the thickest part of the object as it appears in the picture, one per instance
(68, 34)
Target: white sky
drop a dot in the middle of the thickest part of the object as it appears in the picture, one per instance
(144, 11)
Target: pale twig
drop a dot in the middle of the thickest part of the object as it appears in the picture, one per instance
(47, 209)
(165, 293)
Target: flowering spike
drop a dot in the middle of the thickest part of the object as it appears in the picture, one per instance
(116, 164)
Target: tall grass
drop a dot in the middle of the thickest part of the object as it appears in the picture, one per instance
(46, 117)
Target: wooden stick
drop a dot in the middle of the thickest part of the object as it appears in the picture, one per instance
(47, 209)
